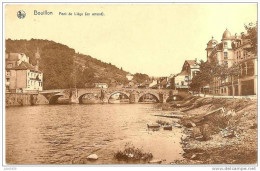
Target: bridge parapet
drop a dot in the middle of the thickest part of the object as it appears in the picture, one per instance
(134, 95)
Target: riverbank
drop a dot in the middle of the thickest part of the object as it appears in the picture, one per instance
(24, 99)
(227, 136)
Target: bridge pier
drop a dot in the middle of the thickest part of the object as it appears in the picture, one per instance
(133, 98)
(74, 96)
(164, 99)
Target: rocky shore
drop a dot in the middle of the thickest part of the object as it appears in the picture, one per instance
(218, 131)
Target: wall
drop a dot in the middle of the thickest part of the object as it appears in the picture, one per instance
(179, 79)
(20, 78)
(21, 99)
(34, 84)
(12, 79)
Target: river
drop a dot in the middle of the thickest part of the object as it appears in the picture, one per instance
(67, 134)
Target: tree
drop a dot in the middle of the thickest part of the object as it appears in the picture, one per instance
(172, 83)
(251, 29)
(140, 78)
(234, 72)
(208, 71)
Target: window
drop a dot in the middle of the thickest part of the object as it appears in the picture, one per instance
(182, 83)
(225, 44)
(9, 65)
(225, 62)
(225, 55)
(7, 79)
(8, 73)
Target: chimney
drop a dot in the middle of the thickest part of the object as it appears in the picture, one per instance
(37, 57)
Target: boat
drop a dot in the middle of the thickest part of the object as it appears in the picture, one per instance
(153, 125)
(167, 127)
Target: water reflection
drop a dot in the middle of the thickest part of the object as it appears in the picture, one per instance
(67, 134)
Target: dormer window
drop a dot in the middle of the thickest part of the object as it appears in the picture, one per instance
(225, 44)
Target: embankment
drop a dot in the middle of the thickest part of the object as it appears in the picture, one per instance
(23, 99)
(227, 136)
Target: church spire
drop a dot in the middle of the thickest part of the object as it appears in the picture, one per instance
(37, 57)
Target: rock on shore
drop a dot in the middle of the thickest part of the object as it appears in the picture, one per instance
(92, 157)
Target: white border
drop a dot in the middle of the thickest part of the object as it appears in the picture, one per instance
(112, 167)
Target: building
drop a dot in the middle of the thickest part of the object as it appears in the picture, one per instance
(129, 77)
(189, 69)
(163, 82)
(20, 75)
(101, 85)
(233, 50)
(153, 84)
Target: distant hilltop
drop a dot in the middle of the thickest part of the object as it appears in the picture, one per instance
(64, 68)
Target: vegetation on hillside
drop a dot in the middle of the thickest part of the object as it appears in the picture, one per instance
(140, 78)
(63, 68)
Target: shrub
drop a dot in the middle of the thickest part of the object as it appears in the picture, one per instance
(205, 130)
(196, 132)
(132, 153)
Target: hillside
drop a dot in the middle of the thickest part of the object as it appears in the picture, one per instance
(62, 67)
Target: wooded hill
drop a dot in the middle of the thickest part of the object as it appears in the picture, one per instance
(63, 68)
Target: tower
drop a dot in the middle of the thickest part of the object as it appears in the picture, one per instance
(210, 46)
(227, 52)
(37, 57)
(226, 39)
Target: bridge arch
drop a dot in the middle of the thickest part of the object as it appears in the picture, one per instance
(89, 94)
(118, 92)
(156, 96)
(54, 99)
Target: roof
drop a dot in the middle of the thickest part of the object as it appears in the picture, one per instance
(226, 35)
(212, 43)
(24, 66)
(184, 72)
(191, 62)
(13, 56)
(164, 82)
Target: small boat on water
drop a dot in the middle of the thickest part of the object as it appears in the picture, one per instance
(167, 127)
(153, 125)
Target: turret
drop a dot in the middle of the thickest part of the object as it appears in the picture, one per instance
(226, 39)
(210, 46)
(37, 57)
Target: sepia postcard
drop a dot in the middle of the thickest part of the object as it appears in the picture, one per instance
(136, 84)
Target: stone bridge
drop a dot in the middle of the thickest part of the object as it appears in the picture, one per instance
(134, 95)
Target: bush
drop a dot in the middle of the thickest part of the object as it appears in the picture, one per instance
(196, 132)
(132, 153)
(205, 130)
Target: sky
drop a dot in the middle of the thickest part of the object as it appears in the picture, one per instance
(153, 39)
